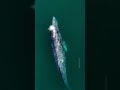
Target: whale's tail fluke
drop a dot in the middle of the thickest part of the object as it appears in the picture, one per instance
(68, 87)
(66, 81)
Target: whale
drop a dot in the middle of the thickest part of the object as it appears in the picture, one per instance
(59, 49)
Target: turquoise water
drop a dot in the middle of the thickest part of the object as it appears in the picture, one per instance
(71, 21)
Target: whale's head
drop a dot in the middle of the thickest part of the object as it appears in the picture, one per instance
(53, 28)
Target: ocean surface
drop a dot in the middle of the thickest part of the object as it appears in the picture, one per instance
(70, 15)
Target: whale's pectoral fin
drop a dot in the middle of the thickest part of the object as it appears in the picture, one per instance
(65, 46)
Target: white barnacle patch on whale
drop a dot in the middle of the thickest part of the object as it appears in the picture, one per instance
(53, 30)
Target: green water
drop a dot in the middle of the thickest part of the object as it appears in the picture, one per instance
(70, 15)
